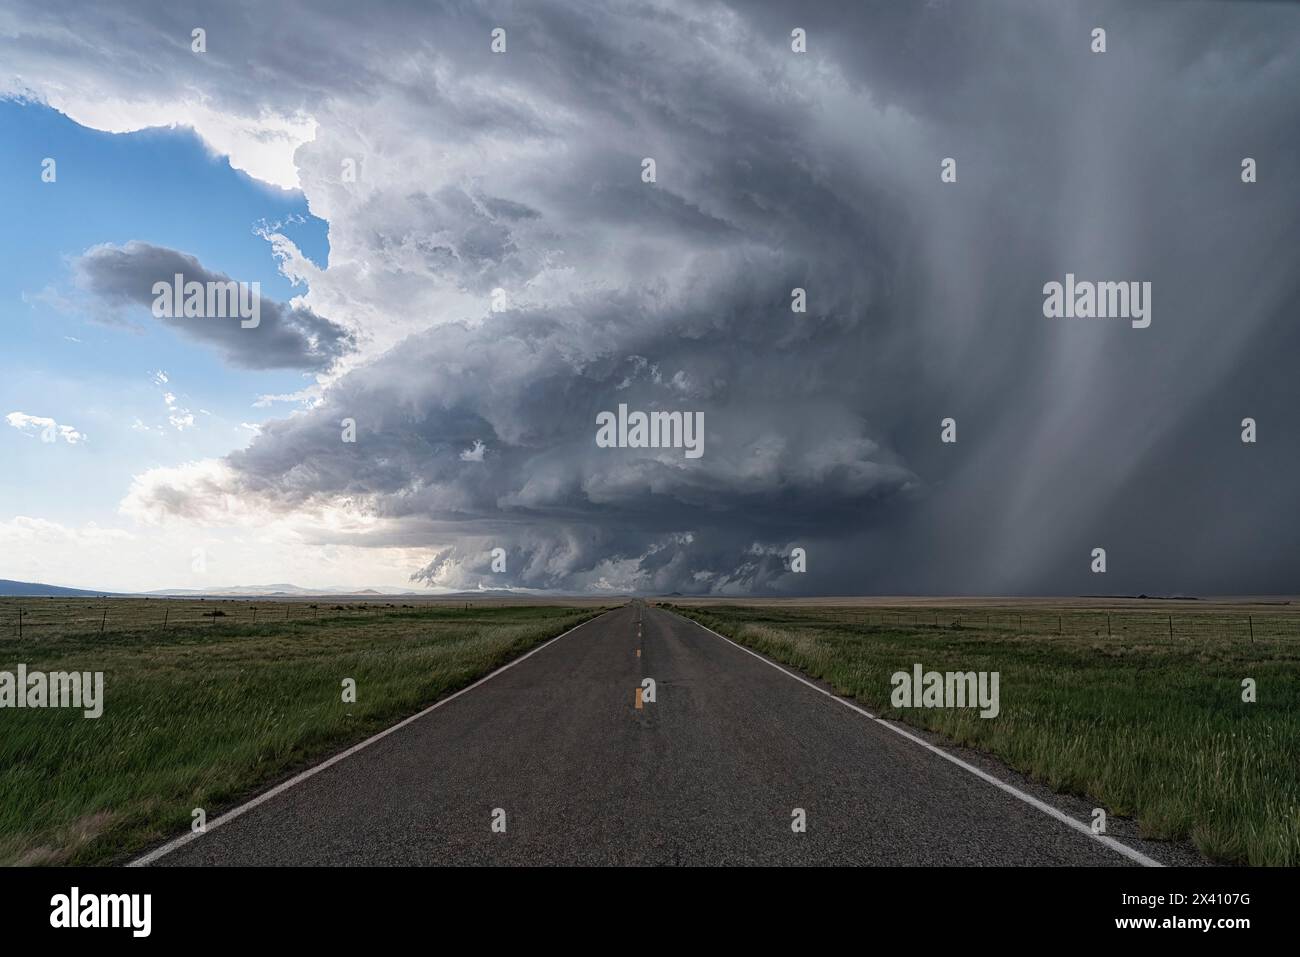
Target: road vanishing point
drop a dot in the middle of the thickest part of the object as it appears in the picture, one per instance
(708, 773)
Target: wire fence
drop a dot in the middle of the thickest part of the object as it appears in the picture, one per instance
(1209, 623)
(36, 618)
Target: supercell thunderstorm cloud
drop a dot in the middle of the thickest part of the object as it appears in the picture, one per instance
(502, 269)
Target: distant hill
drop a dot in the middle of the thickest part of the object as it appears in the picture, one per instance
(13, 589)
(235, 590)
(297, 591)
(285, 590)
(271, 591)
(485, 593)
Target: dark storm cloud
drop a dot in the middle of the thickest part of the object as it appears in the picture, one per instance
(283, 337)
(820, 171)
(514, 385)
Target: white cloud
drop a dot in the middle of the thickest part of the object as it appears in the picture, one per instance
(201, 492)
(46, 428)
(23, 532)
(147, 558)
(308, 397)
(260, 145)
(178, 418)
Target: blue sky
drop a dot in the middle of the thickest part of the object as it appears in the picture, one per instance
(66, 358)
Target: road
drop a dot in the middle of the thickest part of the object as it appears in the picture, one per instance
(708, 773)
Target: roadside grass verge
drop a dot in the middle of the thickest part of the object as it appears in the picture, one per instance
(200, 717)
(1150, 728)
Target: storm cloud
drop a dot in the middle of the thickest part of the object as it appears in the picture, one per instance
(515, 276)
(281, 337)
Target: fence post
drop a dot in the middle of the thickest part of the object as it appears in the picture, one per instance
(1171, 626)
(103, 619)
(255, 614)
(165, 612)
(1251, 620)
(1058, 625)
(20, 623)
(1107, 624)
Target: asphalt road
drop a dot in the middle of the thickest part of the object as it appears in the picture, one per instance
(708, 773)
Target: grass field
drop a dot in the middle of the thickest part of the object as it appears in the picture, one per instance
(207, 710)
(1144, 724)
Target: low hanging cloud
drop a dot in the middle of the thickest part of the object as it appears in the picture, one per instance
(284, 336)
(521, 173)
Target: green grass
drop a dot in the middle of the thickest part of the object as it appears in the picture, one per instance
(202, 715)
(1149, 727)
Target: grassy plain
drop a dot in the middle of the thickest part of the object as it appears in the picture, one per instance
(212, 708)
(1135, 705)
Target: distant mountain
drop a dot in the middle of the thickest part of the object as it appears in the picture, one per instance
(283, 590)
(296, 591)
(236, 590)
(13, 589)
(484, 593)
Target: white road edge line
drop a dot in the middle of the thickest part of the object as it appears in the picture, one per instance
(1118, 846)
(262, 798)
